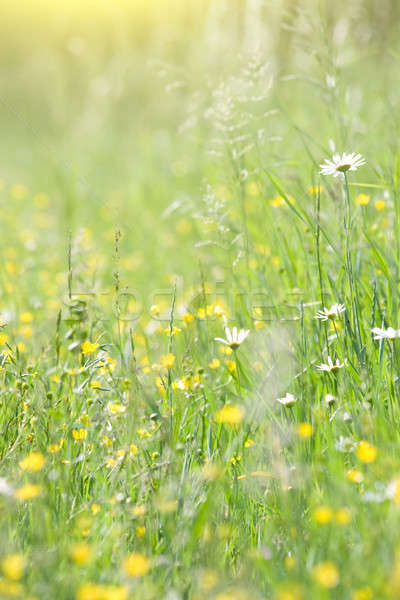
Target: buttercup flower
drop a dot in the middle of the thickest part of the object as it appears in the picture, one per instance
(326, 574)
(136, 565)
(366, 452)
(89, 347)
(28, 491)
(340, 164)
(323, 514)
(93, 591)
(362, 199)
(13, 566)
(33, 462)
(168, 360)
(80, 553)
(304, 430)
(230, 414)
(355, 476)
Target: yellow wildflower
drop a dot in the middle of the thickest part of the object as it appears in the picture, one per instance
(89, 347)
(231, 366)
(343, 516)
(28, 491)
(139, 510)
(13, 566)
(115, 408)
(326, 574)
(214, 364)
(160, 385)
(314, 189)
(322, 515)
(143, 433)
(362, 199)
(364, 593)
(33, 462)
(354, 475)
(136, 565)
(53, 448)
(168, 360)
(41, 200)
(289, 561)
(18, 191)
(174, 331)
(225, 350)
(92, 591)
(80, 553)
(230, 414)
(202, 313)
(379, 204)
(366, 452)
(304, 430)
(26, 317)
(155, 310)
(277, 201)
(26, 331)
(179, 384)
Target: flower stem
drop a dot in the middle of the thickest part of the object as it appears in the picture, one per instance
(349, 266)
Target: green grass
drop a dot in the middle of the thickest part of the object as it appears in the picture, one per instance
(160, 175)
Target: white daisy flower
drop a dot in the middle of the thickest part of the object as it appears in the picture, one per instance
(340, 164)
(376, 497)
(5, 488)
(234, 338)
(393, 489)
(288, 400)
(330, 313)
(385, 334)
(345, 444)
(330, 81)
(331, 367)
(330, 399)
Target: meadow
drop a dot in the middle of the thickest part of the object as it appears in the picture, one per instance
(199, 362)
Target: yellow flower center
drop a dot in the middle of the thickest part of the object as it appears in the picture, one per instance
(343, 168)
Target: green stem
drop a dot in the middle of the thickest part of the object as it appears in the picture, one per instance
(349, 266)
(321, 289)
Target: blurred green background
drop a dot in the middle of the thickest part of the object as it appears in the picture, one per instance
(121, 111)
